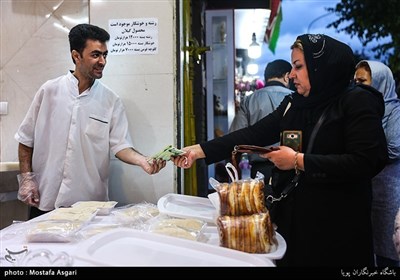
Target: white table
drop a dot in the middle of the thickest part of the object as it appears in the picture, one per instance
(14, 247)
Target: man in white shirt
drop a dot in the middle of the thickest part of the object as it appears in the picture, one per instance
(72, 125)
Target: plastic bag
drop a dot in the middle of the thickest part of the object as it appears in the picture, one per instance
(53, 231)
(177, 227)
(240, 197)
(244, 223)
(135, 215)
(247, 233)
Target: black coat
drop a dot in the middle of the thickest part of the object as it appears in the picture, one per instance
(326, 220)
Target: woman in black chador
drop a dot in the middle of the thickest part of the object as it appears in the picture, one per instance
(326, 218)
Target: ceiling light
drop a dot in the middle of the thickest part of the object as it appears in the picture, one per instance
(254, 50)
(252, 68)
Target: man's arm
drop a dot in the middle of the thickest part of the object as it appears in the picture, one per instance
(28, 191)
(131, 156)
(25, 158)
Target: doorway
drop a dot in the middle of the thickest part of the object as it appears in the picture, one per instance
(199, 93)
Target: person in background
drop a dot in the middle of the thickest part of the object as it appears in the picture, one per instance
(259, 84)
(396, 234)
(326, 219)
(386, 185)
(72, 125)
(262, 102)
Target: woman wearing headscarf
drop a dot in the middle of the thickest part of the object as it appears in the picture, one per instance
(386, 185)
(326, 218)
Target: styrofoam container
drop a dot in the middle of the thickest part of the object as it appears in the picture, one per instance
(187, 206)
(130, 247)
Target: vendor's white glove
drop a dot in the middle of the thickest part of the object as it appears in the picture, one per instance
(396, 234)
(28, 189)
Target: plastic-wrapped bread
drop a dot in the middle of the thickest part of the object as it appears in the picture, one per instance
(242, 197)
(249, 233)
(177, 227)
(53, 231)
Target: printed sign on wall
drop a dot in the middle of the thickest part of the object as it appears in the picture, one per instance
(133, 36)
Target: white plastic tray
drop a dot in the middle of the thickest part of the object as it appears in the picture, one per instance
(211, 237)
(187, 206)
(129, 247)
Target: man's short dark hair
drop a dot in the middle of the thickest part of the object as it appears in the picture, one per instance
(277, 69)
(80, 33)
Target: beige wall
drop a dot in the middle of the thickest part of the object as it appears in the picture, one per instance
(34, 49)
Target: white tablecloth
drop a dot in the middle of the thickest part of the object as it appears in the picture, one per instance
(14, 247)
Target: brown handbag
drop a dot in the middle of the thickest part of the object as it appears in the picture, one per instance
(249, 149)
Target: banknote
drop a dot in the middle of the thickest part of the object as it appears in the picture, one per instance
(167, 152)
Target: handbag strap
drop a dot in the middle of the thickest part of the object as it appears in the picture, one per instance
(295, 181)
(236, 152)
(315, 130)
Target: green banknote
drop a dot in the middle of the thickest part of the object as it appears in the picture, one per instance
(167, 152)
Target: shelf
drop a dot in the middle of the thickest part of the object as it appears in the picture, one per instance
(218, 46)
(220, 80)
(220, 77)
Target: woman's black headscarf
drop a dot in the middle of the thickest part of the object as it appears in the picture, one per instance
(330, 65)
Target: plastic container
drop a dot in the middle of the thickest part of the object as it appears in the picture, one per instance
(130, 247)
(187, 206)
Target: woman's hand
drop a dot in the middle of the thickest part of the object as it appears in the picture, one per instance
(187, 159)
(285, 158)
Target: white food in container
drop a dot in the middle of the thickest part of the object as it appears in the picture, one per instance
(53, 231)
(135, 215)
(60, 225)
(73, 214)
(187, 228)
(104, 207)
